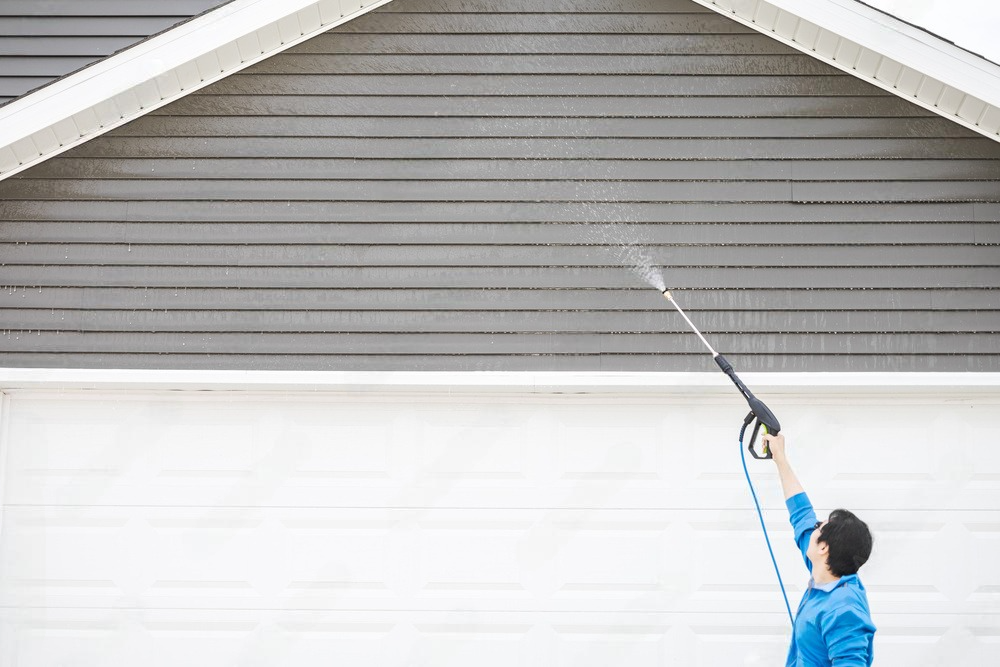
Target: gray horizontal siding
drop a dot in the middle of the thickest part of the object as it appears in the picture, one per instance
(483, 169)
(547, 148)
(626, 45)
(43, 40)
(520, 85)
(499, 322)
(547, 65)
(445, 185)
(515, 191)
(225, 276)
(494, 255)
(329, 360)
(209, 300)
(560, 128)
(646, 106)
(332, 345)
(264, 213)
(347, 234)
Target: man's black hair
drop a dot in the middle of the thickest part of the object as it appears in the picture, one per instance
(849, 542)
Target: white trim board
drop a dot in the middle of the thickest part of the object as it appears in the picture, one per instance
(158, 71)
(884, 51)
(707, 383)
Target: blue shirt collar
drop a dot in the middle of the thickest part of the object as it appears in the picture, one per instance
(826, 588)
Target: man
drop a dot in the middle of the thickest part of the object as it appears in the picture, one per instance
(833, 626)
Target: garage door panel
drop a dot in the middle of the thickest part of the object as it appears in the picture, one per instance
(154, 637)
(608, 560)
(593, 449)
(453, 645)
(202, 451)
(610, 645)
(472, 463)
(475, 557)
(294, 528)
(616, 558)
(523, 451)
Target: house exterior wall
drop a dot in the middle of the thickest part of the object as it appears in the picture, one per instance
(42, 40)
(446, 185)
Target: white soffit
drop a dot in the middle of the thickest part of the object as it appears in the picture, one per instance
(712, 383)
(158, 71)
(883, 51)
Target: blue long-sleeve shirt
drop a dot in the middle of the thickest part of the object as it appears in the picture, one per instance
(833, 627)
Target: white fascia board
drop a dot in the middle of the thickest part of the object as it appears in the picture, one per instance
(158, 71)
(530, 382)
(884, 51)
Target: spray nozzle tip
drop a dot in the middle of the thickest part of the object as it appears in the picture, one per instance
(667, 294)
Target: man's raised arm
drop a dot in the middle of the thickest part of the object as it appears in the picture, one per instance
(789, 482)
(800, 510)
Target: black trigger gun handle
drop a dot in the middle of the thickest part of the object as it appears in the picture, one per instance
(765, 418)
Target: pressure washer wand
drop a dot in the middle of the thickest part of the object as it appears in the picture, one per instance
(764, 418)
(758, 410)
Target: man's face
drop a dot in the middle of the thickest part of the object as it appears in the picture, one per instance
(817, 550)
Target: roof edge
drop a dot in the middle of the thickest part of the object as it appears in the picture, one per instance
(160, 70)
(883, 50)
(964, 46)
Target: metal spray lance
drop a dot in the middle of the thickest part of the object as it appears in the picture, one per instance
(758, 410)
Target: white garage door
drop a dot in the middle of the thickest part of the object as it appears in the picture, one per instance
(241, 528)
